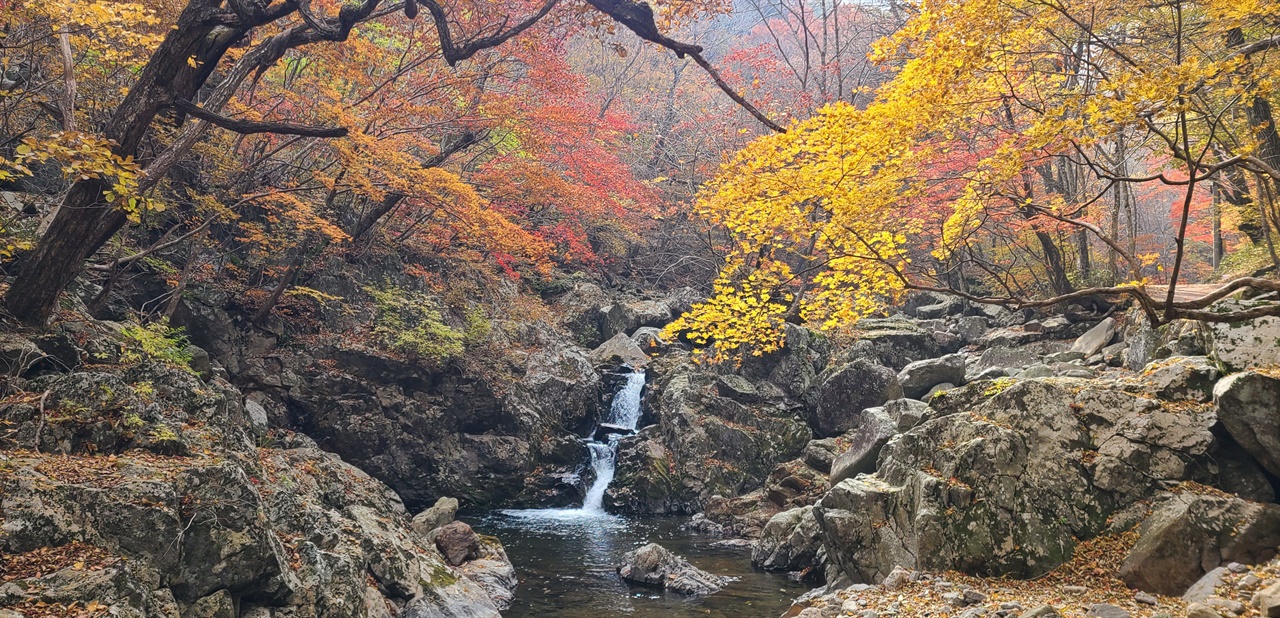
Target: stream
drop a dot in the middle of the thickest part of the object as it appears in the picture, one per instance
(567, 559)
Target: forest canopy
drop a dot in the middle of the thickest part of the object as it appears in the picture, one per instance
(797, 161)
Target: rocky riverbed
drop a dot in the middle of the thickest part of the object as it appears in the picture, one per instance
(946, 460)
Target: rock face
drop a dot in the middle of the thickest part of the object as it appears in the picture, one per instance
(152, 495)
(652, 565)
(919, 377)
(710, 437)
(998, 483)
(1188, 535)
(847, 390)
(1247, 405)
(789, 542)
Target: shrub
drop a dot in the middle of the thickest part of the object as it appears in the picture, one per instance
(155, 341)
(410, 323)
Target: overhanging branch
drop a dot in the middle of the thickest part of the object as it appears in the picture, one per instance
(249, 127)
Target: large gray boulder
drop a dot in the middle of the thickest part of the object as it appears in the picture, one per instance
(620, 350)
(1188, 535)
(653, 565)
(1096, 338)
(1243, 345)
(875, 427)
(441, 513)
(919, 377)
(1189, 378)
(1248, 404)
(1005, 479)
(789, 542)
(846, 390)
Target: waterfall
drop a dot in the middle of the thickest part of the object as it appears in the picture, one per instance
(623, 414)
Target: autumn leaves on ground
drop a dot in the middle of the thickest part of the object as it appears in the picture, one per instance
(424, 236)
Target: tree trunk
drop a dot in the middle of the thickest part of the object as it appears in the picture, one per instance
(84, 222)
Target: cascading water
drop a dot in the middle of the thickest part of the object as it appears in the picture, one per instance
(624, 414)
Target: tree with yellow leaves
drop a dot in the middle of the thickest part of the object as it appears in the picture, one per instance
(994, 143)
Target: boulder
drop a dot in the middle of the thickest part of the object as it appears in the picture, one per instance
(737, 388)
(1243, 345)
(619, 350)
(650, 339)
(1189, 535)
(946, 305)
(1247, 404)
(1189, 378)
(846, 390)
(443, 512)
(457, 542)
(1096, 338)
(653, 565)
(617, 319)
(217, 605)
(789, 542)
(919, 377)
(906, 413)
(818, 454)
(1206, 586)
(1005, 480)
(1267, 601)
(875, 427)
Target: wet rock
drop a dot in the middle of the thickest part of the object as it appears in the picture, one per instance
(653, 565)
(919, 377)
(1246, 404)
(1214, 529)
(457, 542)
(847, 390)
(441, 513)
(789, 542)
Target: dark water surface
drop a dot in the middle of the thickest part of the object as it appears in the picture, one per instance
(567, 559)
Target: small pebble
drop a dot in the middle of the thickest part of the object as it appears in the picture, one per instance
(1011, 605)
(1248, 581)
(1236, 567)
(1074, 589)
(974, 597)
(1146, 599)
